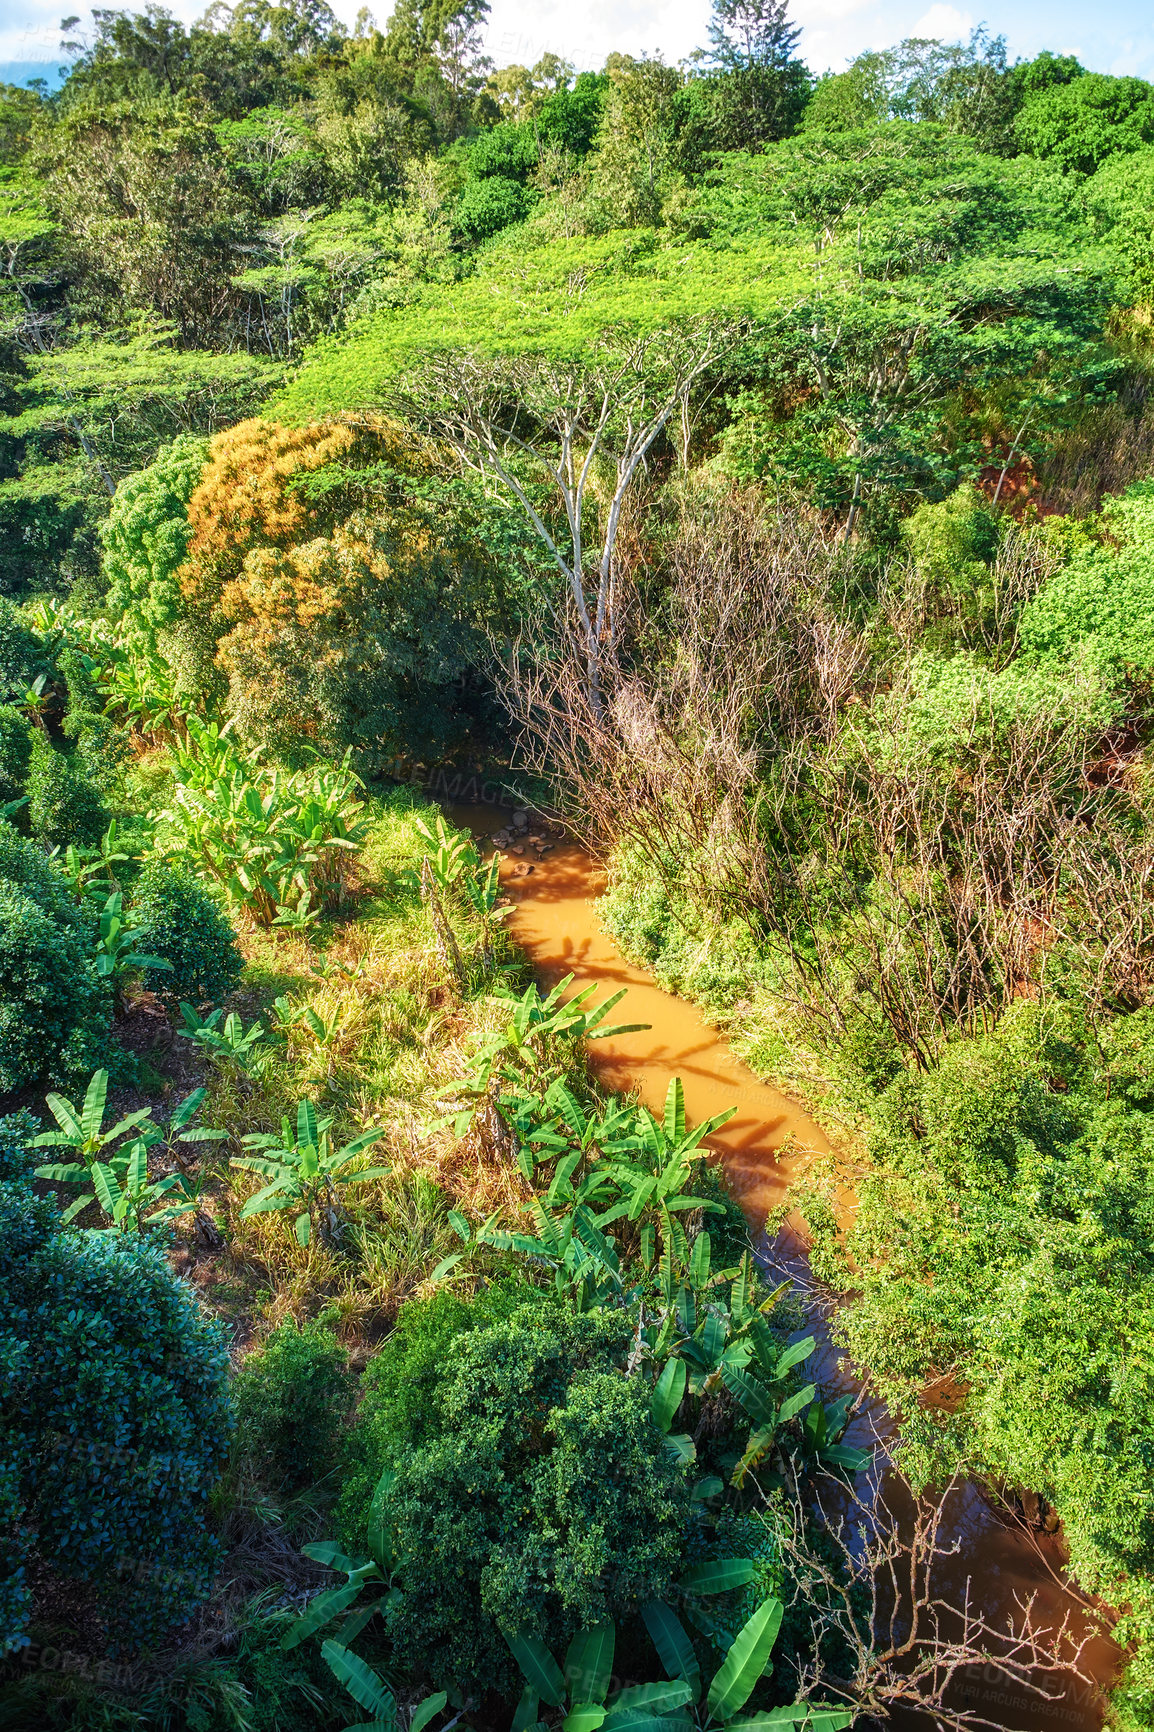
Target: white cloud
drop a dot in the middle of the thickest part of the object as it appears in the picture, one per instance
(945, 23)
(833, 30)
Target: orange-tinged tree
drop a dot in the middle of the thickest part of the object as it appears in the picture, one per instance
(340, 576)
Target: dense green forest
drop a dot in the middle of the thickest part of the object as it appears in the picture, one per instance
(751, 474)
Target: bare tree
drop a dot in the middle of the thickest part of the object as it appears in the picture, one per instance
(743, 745)
(885, 1631)
(581, 425)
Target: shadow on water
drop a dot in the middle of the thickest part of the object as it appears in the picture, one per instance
(765, 1148)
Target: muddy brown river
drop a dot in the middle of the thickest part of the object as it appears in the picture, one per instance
(762, 1148)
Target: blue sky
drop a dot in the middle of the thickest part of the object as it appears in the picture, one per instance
(1111, 36)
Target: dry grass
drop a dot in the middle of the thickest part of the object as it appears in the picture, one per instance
(398, 1037)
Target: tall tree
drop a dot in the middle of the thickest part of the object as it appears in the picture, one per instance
(744, 33)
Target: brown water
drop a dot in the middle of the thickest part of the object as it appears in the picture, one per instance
(764, 1148)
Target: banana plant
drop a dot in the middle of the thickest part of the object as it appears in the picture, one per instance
(306, 1173)
(553, 1126)
(665, 1152)
(279, 842)
(716, 1326)
(119, 1176)
(87, 869)
(579, 1691)
(370, 1692)
(116, 941)
(536, 1021)
(368, 1590)
(129, 1198)
(570, 1246)
(81, 1128)
(450, 855)
(251, 1050)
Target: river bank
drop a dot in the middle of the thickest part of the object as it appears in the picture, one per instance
(765, 1148)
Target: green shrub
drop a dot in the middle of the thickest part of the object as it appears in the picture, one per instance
(533, 1490)
(487, 206)
(186, 928)
(396, 1406)
(21, 655)
(14, 1596)
(64, 804)
(1078, 125)
(292, 1399)
(15, 753)
(16, 1159)
(114, 1416)
(145, 536)
(1100, 608)
(54, 1013)
(1004, 1232)
(509, 149)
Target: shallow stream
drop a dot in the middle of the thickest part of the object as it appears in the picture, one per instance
(763, 1148)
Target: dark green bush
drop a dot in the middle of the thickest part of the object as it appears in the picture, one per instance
(21, 654)
(292, 1399)
(54, 1013)
(532, 1489)
(487, 206)
(188, 930)
(114, 1416)
(64, 804)
(16, 1158)
(15, 753)
(509, 149)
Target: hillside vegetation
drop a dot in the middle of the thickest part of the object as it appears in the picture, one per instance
(751, 472)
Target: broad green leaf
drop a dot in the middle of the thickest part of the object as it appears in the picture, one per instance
(92, 1112)
(303, 1228)
(64, 1172)
(78, 1206)
(632, 1720)
(598, 1016)
(844, 1455)
(794, 1355)
(699, 1262)
(745, 1661)
(540, 1669)
(658, 1698)
(756, 1401)
(307, 1124)
(589, 1665)
(585, 1717)
(359, 1680)
(329, 1553)
(675, 1111)
(804, 1714)
(682, 1447)
(62, 1111)
(706, 1488)
(525, 1713)
(319, 1612)
(667, 1393)
(791, 1408)
(674, 1648)
(187, 1110)
(718, 1575)
(379, 1534)
(427, 1710)
(104, 1183)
